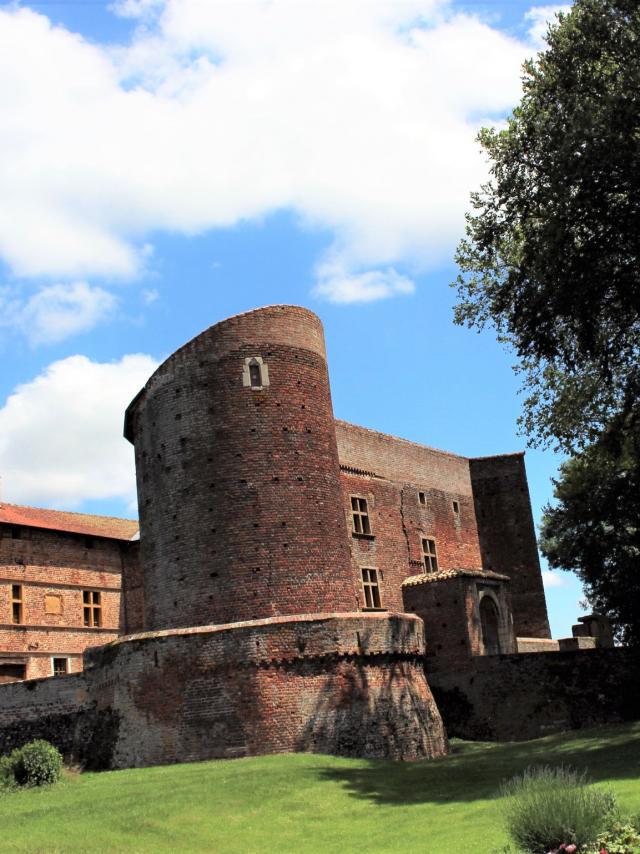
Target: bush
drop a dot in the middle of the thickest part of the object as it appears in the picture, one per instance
(37, 763)
(554, 809)
(621, 837)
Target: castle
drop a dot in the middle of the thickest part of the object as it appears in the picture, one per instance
(287, 571)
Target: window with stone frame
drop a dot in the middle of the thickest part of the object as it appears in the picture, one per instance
(17, 604)
(60, 666)
(429, 555)
(255, 373)
(371, 588)
(91, 609)
(360, 515)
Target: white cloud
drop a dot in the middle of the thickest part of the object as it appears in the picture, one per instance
(358, 116)
(552, 579)
(336, 284)
(56, 312)
(61, 434)
(539, 18)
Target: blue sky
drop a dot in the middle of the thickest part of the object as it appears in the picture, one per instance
(167, 163)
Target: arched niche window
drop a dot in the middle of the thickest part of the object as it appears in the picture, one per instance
(490, 622)
(255, 372)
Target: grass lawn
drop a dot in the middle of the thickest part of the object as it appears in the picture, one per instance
(305, 803)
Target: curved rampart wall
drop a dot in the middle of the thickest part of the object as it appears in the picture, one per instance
(348, 684)
(239, 487)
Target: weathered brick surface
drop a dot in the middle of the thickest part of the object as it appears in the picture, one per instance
(450, 610)
(523, 696)
(507, 537)
(346, 684)
(398, 524)
(350, 684)
(239, 489)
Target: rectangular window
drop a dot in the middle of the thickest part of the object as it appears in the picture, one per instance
(371, 588)
(92, 608)
(456, 508)
(17, 610)
(60, 666)
(429, 555)
(360, 514)
(422, 498)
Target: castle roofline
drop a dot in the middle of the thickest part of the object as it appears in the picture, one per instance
(352, 426)
(110, 527)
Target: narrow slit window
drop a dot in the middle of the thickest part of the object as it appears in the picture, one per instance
(429, 555)
(456, 508)
(17, 604)
(422, 498)
(255, 374)
(92, 609)
(60, 666)
(371, 588)
(360, 515)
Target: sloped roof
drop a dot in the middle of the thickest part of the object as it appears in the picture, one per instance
(443, 575)
(74, 523)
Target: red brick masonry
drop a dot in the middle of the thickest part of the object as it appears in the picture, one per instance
(347, 684)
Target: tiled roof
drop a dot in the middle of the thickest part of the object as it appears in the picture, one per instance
(431, 577)
(75, 523)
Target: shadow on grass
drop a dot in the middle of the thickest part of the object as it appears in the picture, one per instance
(474, 771)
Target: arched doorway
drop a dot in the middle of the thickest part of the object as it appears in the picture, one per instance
(490, 621)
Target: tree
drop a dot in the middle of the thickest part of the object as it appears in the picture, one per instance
(594, 529)
(552, 249)
(551, 258)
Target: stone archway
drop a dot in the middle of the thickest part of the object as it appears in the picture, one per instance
(490, 622)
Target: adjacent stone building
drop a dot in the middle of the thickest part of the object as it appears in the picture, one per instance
(60, 588)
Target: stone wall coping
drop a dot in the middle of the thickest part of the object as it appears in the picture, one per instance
(445, 575)
(370, 616)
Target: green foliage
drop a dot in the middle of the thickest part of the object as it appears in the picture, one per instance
(621, 838)
(37, 763)
(551, 251)
(306, 803)
(549, 807)
(594, 527)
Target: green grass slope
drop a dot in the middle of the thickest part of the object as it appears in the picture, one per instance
(306, 803)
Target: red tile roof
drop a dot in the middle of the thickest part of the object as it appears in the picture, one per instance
(75, 523)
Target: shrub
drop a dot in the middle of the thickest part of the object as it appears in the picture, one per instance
(37, 763)
(550, 809)
(621, 837)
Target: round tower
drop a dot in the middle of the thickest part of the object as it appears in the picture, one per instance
(241, 509)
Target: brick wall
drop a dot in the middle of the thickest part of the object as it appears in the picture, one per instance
(53, 568)
(450, 610)
(351, 685)
(239, 491)
(392, 474)
(522, 696)
(507, 537)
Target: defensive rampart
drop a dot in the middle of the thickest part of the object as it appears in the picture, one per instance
(522, 696)
(347, 684)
